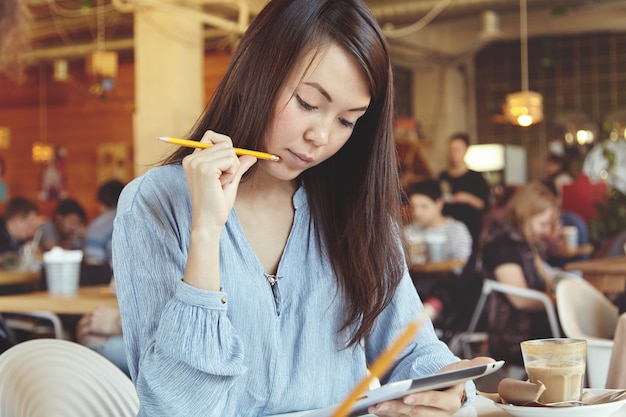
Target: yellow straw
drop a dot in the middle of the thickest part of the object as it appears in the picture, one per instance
(384, 361)
(202, 145)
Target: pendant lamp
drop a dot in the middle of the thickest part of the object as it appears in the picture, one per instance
(524, 108)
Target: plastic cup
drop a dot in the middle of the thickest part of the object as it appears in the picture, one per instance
(435, 243)
(557, 363)
(415, 246)
(62, 270)
(570, 236)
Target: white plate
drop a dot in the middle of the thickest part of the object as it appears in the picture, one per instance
(597, 410)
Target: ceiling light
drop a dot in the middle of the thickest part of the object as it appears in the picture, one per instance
(524, 108)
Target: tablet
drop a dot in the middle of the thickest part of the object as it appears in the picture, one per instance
(397, 390)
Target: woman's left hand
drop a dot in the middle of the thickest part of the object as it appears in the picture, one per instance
(429, 403)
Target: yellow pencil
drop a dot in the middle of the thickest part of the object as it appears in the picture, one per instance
(202, 145)
(384, 361)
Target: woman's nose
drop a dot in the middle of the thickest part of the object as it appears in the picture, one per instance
(318, 134)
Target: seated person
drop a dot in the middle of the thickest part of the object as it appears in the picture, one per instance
(557, 253)
(101, 330)
(100, 231)
(66, 228)
(17, 226)
(426, 201)
(510, 254)
(556, 248)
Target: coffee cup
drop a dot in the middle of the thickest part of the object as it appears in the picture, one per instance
(435, 243)
(416, 247)
(62, 269)
(559, 364)
(570, 236)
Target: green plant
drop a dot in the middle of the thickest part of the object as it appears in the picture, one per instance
(611, 218)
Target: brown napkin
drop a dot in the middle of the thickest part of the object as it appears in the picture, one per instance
(526, 393)
(512, 391)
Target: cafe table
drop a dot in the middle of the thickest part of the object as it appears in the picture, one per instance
(448, 265)
(608, 275)
(578, 251)
(19, 277)
(84, 301)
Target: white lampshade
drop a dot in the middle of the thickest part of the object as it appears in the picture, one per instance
(485, 158)
(509, 161)
(524, 108)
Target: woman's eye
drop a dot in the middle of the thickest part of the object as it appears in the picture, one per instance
(304, 104)
(347, 124)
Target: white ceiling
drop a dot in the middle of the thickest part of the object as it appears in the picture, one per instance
(67, 27)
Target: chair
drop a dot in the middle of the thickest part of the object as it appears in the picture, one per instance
(585, 313)
(490, 286)
(33, 323)
(54, 377)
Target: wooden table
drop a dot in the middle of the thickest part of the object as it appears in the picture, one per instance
(579, 251)
(606, 274)
(448, 265)
(83, 302)
(16, 277)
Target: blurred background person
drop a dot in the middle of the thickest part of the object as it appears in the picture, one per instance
(100, 231)
(18, 224)
(466, 193)
(426, 202)
(557, 252)
(451, 287)
(501, 196)
(66, 228)
(17, 227)
(558, 173)
(101, 330)
(511, 253)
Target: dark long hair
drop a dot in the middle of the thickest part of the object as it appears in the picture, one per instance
(355, 194)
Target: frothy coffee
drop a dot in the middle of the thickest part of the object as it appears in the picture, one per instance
(563, 379)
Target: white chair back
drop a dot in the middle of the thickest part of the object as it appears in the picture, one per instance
(585, 313)
(59, 378)
(490, 286)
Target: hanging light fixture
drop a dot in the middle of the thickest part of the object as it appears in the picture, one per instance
(525, 107)
(101, 63)
(41, 151)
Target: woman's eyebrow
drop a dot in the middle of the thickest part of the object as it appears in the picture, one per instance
(324, 93)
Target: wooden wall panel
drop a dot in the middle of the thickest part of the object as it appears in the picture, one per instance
(77, 120)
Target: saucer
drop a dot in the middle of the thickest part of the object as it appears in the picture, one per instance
(594, 410)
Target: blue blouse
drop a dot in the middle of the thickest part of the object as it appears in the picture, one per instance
(252, 349)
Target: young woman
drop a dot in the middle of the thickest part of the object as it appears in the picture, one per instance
(251, 288)
(510, 254)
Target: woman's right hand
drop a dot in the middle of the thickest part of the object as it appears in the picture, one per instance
(213, 176)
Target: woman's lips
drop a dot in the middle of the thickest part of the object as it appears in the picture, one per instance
(300, 159)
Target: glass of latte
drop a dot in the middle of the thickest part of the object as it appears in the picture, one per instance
(557, 363)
